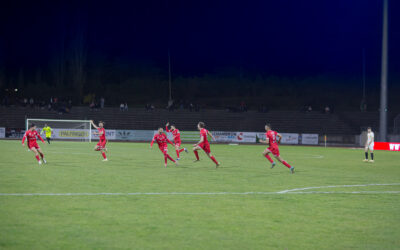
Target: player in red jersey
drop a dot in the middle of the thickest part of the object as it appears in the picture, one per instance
(31, 135)
(101, 145)
(204, 144)
(177, 139)
(162, 141)
(273, 147)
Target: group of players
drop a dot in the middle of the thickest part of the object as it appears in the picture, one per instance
(273, 138)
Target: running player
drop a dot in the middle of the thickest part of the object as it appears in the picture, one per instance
(31, 135)
(204, 144)
(177, 139)
(101, 145)
(48, 131)
(273, 147)
(162, 141)
(369, 145)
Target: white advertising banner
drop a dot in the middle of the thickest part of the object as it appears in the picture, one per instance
(287, 138)
(290, 138)
(81, 134)
(110, 134)
(2, 132)
(309, 139)
(237, 137)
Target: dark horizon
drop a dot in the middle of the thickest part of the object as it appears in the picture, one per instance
(79, 45)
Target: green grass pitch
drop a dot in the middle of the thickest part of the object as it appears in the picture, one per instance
(215, 213)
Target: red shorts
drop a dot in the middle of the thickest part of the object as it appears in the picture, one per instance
(205, 147)
(163, 149)
(274, 151)
(178, 143)
(33, 145)
(101, 145)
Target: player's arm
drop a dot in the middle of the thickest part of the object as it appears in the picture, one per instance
(152, 142)
(166, 127)
(170, 142)
(38, 135)
(280, 138)
(23, 139)
(212, 137)
(266, 141)
(201, 141)
(94, 125)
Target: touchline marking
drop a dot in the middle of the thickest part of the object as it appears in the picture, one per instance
(337, 186)
(290, 191)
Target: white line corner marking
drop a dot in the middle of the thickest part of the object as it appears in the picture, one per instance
(289, 191)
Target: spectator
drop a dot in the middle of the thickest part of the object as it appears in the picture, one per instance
(121, 107)
(327, 110)
(191, 107)
(92, 106)
(31, 102)
(25, 102)
(126, 106)
(102, 102)
(309, 109)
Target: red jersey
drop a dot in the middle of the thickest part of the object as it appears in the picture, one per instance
(176, 134)
(204, 135)
(31, 135)
(271, 135)
(102, 134)
(161, 140)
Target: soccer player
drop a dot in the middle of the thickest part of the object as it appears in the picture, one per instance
(177, 139)
(273, 147)
(48, 132)
(204, 144)
(31, 135)
(369, 145)
(162, 141)
(101, 145)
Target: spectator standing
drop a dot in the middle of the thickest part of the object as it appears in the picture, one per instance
(102, 102)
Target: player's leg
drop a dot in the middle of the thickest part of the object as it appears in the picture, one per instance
(36, 155)
(266, 154)
(41, 155)
(103, 153)
(196, 152)
(371, 151)
(279, 158)
(366, 154)
(212, 158)
(167, 156)
(177, 151)
(48, 140)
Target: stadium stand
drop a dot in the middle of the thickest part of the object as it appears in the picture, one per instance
(348, 123)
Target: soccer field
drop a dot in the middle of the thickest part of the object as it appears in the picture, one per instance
(133, 202)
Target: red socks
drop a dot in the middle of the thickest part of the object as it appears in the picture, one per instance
(181, 150)
(286, 164)
(269, 158)
(214, 160)
(167, 156)
(196, 154)
(104, 155)
(37, 157)
(177, 153)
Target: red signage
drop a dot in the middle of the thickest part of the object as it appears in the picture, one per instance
(390, 146)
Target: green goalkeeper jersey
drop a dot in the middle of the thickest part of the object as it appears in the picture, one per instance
(47, 130)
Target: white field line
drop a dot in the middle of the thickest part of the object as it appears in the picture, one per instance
(291, 191)
(337, 186)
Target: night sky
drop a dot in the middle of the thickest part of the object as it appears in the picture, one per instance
(284, 38)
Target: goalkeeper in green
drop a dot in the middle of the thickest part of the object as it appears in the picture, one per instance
(48, 132)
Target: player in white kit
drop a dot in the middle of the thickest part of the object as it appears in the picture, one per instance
(369, 145)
